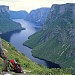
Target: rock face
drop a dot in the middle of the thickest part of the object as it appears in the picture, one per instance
(6, 24)
(38, 15)
(4, 11)
(4, 8)
(18, 14)
(64, 10)
(56, 41)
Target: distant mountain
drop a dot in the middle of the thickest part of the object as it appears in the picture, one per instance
(6, 24)
(56, 41)
(39, 15)
(18, 14)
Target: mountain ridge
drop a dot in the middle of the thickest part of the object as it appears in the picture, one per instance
(55, 42)
(6, 24)
(38, 16)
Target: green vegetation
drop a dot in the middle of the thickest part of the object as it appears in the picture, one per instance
(56, 41)
(27, 64)
(6, 24)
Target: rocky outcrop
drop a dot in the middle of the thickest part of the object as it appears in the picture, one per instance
(4, 8)
(64, 10)
(39, 15)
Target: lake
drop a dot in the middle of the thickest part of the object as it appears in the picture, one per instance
(17, 38)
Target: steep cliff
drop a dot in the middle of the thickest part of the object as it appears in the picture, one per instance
(56, 41)
(18, 14)
(6, 24)
(38, 16)
(65, 11)
(4, 8)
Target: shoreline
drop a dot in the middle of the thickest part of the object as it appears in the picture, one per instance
(49, 62)
(13, 31)
(58, 66)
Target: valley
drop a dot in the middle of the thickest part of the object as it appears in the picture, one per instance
(43, 38)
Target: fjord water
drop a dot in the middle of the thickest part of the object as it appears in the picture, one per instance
(17, 38)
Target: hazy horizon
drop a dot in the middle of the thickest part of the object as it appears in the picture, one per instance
(28, 5)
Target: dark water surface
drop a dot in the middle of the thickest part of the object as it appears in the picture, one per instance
(16, 38)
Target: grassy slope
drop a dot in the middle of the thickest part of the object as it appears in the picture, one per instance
(27, 64)
(50, 50)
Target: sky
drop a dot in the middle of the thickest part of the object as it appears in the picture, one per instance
(29, 5)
